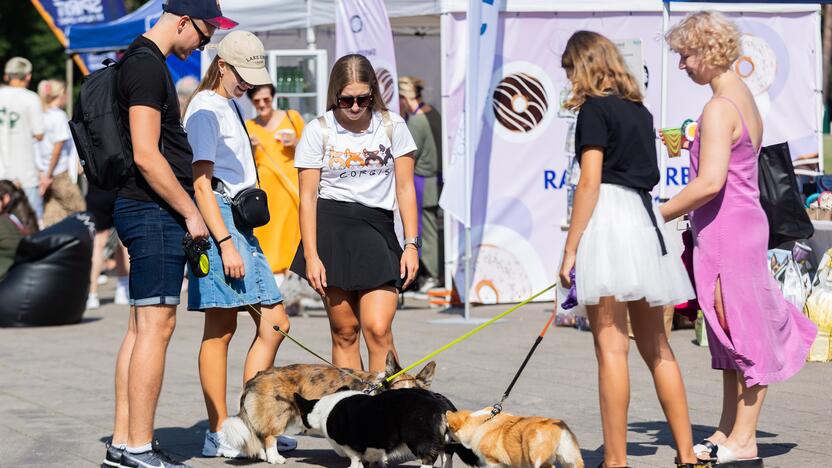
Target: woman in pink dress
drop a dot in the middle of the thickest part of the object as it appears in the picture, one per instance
(756, 337)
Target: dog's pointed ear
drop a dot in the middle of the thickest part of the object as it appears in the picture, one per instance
(456, 419)
(392, 366)
(426, 374)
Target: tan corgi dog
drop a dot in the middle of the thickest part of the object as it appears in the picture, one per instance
(267, 405)
(506, 440)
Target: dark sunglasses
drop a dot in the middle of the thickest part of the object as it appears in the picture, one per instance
(345, 102)
(265, 100)
(204, 39)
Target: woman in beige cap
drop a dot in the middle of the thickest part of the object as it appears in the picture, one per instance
(240, 276)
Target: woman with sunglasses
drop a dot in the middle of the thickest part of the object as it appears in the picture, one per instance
(240, 277)
(356, 165)
(274, 134)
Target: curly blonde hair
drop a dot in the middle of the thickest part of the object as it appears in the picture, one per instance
(708, 34)
(595, 68)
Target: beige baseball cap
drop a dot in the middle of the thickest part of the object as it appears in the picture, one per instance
(18, 66)
(244, 51)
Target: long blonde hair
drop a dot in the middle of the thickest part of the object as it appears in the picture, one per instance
(596, 68)
(49, 90)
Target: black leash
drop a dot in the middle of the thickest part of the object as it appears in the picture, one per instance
(498, 407)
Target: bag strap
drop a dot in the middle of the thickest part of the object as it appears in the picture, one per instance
(324, 134)
(388, 126)
(243, 123)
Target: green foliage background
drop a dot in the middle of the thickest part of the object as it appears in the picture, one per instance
(23, 33)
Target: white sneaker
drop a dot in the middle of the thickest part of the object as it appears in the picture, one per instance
(429, 284)
(122, 297)
(102, 279)
(215, 446)
(93, 302)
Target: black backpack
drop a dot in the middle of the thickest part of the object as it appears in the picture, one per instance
(105, 149)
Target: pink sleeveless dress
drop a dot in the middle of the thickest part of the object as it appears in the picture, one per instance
(769, 338)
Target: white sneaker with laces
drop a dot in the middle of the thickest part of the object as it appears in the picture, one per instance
(215, 446)
(122, 297)
(93, 302)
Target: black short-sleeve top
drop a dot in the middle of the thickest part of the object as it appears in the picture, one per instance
(624, 129)
(144, 80)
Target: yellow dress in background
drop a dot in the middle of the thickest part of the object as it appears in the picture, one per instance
(279, 238)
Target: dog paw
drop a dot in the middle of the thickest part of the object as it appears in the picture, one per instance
(276, 460)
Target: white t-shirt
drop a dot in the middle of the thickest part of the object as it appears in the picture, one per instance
(357, 167)
(57, 130)
(217, 135)
(21, 118)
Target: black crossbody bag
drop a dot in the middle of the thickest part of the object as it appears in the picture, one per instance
(250, 207)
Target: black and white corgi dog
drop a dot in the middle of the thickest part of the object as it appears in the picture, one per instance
(394, 425)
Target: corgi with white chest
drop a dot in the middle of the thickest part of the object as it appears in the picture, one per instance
(267, 407)
(394, 425)
(506, 440)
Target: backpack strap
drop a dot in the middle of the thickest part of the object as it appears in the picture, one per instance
(169, 88)
(324, 134)
(388, 125)
(245, 129)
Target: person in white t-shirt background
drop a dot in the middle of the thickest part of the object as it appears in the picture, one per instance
(56, 158)
(356, 166)
(21, 125)
(240, 275)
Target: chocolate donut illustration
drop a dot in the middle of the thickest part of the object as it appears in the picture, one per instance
(353, 159)
(372, 159)
(385, 83)
(520, 102)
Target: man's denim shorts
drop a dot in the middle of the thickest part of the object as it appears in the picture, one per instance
(153, 237)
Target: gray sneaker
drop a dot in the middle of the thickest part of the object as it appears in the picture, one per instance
(113, 457)
(155, 458)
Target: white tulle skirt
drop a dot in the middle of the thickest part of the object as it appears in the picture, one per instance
(620, 255)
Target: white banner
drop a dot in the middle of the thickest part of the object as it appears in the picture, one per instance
(362, 27)
(482, 35)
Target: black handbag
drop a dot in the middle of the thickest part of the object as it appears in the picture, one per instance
(250, 207)
(779, 197)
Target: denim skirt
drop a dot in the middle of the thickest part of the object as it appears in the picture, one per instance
(218, 291)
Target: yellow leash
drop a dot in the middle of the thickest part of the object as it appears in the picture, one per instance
(469, 334)
(390, 379)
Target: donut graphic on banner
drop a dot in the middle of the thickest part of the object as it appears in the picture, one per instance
(521, 101)
(386, 85)
(757, 66)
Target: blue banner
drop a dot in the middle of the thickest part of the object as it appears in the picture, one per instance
(67, 13)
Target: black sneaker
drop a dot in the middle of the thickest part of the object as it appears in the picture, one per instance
(154, 458)
(113, 457)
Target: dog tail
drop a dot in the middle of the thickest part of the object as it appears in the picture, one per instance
(568, 452)
(238, 435)
(465, 454)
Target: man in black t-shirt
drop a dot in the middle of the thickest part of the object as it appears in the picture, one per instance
(153, 211)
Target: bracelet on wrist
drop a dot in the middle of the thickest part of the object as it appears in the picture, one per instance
(219, 242)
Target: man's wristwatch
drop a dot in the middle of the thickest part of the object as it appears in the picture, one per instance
(417, 241)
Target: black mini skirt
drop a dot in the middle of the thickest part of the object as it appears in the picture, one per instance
(357, 245)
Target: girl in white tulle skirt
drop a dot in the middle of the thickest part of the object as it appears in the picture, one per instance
(624, 261)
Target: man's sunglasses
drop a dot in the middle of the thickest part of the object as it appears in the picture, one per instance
(345, 102)
(204, 39)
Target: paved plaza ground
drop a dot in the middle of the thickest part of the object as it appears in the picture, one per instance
(56, 392)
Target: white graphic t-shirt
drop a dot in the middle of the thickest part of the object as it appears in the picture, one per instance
(357, 167)
(21, 118)
(217, 135)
